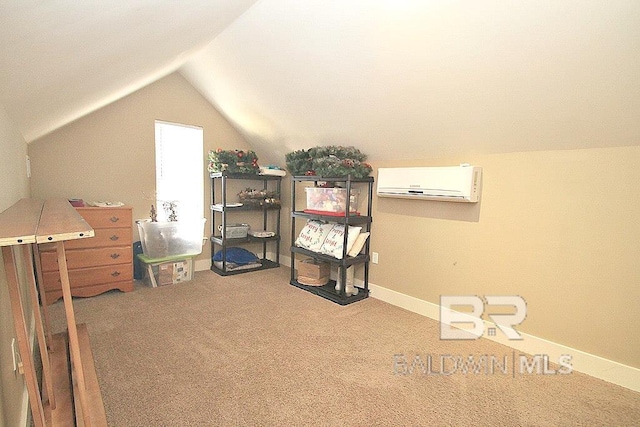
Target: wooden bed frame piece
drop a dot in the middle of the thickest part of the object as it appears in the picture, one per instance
(28, 223)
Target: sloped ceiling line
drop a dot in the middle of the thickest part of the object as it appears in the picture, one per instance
(61, 60)
(400, 79)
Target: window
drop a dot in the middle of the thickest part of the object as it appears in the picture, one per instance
(179, 172)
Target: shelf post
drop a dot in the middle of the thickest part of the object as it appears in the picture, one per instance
(293, 228)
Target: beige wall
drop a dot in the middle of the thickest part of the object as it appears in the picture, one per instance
(559, 228)
(110, 154)
(15, 185)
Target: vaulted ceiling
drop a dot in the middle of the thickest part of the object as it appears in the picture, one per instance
(398, 78)
(61, 59)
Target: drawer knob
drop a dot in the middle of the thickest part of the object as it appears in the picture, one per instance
(115, 274)
(114, 256)
(114, 219)
(114, 238)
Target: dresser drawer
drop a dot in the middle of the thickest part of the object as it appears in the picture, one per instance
(107, 217)
(103, 237)
(89, 276)
(97, 264)
(88, 257)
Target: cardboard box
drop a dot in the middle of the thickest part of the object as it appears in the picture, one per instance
(314, 269)
(165, 274)
(181, 272)
(170, 273)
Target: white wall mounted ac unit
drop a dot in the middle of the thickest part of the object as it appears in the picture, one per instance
(443, 183)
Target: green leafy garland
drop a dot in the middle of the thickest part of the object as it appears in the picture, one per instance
(299, 162)
(331, 161)
(233, 161)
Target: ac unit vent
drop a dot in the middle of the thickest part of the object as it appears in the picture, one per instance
(443, 183)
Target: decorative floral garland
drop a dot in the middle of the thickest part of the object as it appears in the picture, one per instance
(332, 161)
(233, 161)
(257, 197)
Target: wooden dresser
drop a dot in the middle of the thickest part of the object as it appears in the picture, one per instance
(97, 264)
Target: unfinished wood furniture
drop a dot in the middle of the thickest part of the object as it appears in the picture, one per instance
(23, 226)
(96, 265)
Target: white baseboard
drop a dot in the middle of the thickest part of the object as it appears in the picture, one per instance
(595, 366)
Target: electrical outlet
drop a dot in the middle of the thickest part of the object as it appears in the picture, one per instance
(14, 354)
(374, 257)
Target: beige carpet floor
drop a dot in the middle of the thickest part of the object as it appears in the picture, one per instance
(252, 350)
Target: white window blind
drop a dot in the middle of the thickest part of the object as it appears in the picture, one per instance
(179, 171)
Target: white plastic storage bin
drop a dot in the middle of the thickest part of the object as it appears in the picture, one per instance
(331, 200)
(235, 231)
(165, 239)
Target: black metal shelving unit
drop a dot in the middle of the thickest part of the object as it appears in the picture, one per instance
(222, 208)
(328, 291)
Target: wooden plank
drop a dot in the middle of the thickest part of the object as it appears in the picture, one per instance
(32, 221)
(43, 294)
(37, 317)
(74, 346)
(19, 323)
(19, 223)
(60, 221)
(97, 416)
(62, 415)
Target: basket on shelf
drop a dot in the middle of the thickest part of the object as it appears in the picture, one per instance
(312, 272)
(310, 281)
